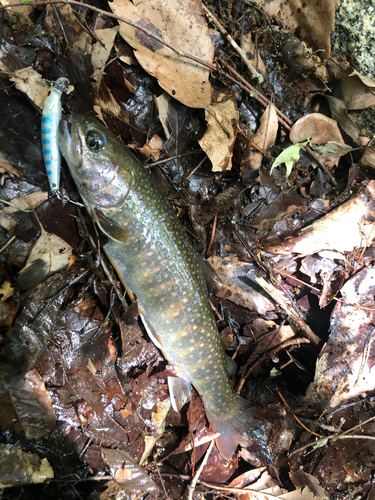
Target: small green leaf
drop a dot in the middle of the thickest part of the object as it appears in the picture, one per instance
(289, 156)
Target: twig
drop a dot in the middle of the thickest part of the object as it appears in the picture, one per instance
(161, 480)
(265, 496)
(336, 436)
(7, 244)
(212, 234)
(253, 72)
(295, 416)
(199, 471)
(279, 297)
(365, 355)
(283, 119)
(267, 355)
(367, 244)
(193, 171)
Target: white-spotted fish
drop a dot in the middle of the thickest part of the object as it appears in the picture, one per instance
(147, 247)
(51, 117)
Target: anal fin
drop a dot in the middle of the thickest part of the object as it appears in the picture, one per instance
(179, 392)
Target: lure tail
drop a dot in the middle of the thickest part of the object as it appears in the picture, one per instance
(240, 428)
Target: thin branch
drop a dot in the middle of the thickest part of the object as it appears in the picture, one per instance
(253, 72)
(199, 472)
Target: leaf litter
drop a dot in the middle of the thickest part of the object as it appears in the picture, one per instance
(78, 368)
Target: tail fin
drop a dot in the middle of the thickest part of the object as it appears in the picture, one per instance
(243, 429)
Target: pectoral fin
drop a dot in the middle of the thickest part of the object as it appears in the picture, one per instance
(151, 333)
(213, 281)
(179, 392)
(110, 227)
(231, 366)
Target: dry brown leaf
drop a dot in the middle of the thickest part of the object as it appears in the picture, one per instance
(158, 422)
(125, 53)
(317, 127)
(259, 483)
(108, 104)
(368, 158)
(162, 103)
(265, 136)
(6, 167)
(20, 16)
(364, 79)
(180, 24)
(356, 93)
(315, 19)
(222, 126)
(153, 147)
(30, 82)
(100, 54)
(6, 291)
(52, 250)
(28, 202)
(248, 46)
(340, 230)
(300, 478)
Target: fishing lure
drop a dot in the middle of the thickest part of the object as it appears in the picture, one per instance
(51, 117)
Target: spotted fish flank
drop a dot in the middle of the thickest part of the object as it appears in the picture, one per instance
(155, 263)
(51, 117)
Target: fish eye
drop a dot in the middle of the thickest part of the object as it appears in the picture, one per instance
(95, 141)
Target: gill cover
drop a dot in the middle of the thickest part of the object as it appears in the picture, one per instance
(100, 164)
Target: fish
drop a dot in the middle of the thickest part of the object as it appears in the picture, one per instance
(148, 249)
(51, 116)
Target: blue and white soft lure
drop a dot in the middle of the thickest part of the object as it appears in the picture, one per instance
(51, 117)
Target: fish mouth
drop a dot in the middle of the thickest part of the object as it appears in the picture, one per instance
(70, 149)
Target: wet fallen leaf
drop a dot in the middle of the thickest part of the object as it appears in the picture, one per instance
(132, 478)
(318, 128)
(28, 408)
(182, 78)
(340, 230)
(222, 126)
(300, 479)
(344, 369)
(340, 114)
(289, 156)
(19, 467)
(266, 135)
(31, 330)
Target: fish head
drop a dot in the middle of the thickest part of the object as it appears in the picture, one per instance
(97, 162)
